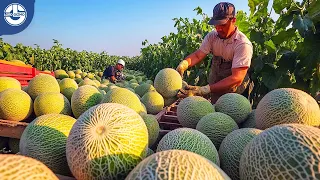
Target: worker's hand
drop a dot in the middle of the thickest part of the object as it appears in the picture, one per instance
(182, 67)
(194, 91)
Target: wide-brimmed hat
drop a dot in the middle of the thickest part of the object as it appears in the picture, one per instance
(222, 12)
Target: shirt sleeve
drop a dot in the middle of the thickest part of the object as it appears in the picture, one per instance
(109, 72)
(242, 56)
(206, 46)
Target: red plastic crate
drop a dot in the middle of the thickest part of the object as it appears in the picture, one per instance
(23, 73)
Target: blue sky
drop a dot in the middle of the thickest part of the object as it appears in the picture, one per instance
(117, 27)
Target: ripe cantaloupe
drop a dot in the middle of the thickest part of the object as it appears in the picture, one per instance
(67, 87)
(216, 126)
(106, 142)
(190, 140)
(153, 127)
(87, 81)
(45, 139)
(287, 105)
(15, 105)
(287, 151)
(231, 149)
(9, 82)
(48, 103)
(176, 164)
(123, 96)
(153, 101)
(83, 98)
(14, 166)
(250, 122)
(191, 109)
(42, 83)
(168, 82)
(235, 105)
(144, 88)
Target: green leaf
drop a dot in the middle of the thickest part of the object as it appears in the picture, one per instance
(279, 5)
(270, 46)
(314, 11)
(302, 24)
(288, 61)
(258, 63)
(257, 37)
(283, 36)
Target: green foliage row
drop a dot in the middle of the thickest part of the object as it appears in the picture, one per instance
(58, 57)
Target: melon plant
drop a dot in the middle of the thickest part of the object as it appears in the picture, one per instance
(14, 166)
(168, 82)
(176, 165)
(286, 151)
(231, 149)
(45, 139)
(106, 142)
(216, 126)
(190, 140)
(235, 105)
(287, 105)
(192, 109)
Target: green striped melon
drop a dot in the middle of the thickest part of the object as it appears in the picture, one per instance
(231, 149)
(190, 140)
(286, 151)
(106, 142)
(176, 165)
(14, 166)
(45, 139)
(287, 105)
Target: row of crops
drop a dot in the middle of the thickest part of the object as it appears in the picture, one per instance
(285, 49)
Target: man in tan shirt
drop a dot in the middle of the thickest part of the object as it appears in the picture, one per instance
(232, 52)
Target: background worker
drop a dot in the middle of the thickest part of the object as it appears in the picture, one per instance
(232, 52)
(114, 73)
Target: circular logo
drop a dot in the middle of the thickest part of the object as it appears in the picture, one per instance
(15, 14)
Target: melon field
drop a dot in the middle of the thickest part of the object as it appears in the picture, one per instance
(82, 126)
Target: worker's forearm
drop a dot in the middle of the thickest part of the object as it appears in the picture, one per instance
(193, 59)
(225, 85)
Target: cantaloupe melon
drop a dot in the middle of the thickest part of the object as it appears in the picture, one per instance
(216, 126)
(9, 82)
(47, 103)
(106, 142)
(143, 88)
(153, 127)
(42, 83)
(21, 167)
(153, 101)
(231, 149)
(15, 105)
(250, 122)
(83, 98)
(287, 151)
(176, 165)
(190, 140)
(45, 139)
(287, 105)
(235, 105)
(168, 82)
(191, 109)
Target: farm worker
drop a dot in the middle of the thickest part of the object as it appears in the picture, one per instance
(114, 73)
(232, 52)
